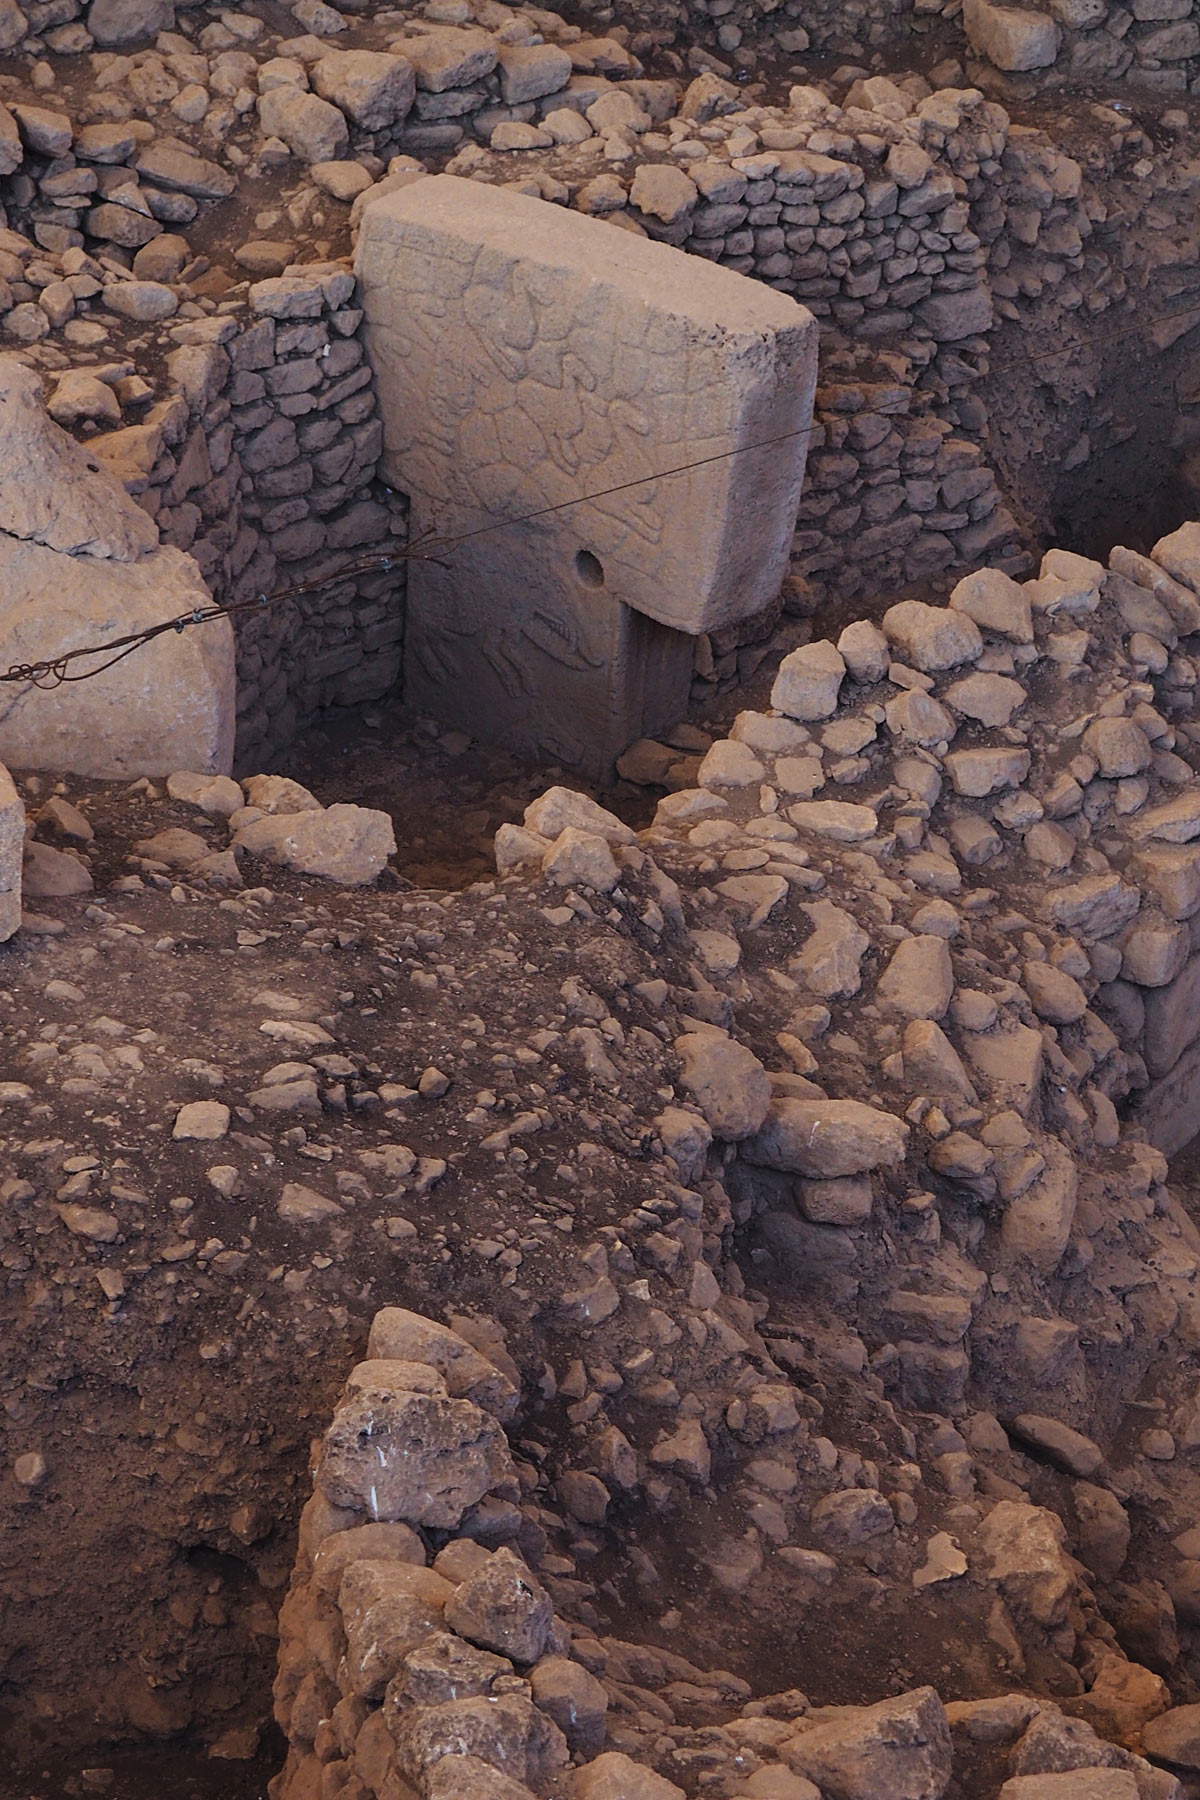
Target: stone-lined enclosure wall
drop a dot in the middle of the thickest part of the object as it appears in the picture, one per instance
(914, 225)
(1003, 792)
(1153, 44)
(423, 1657)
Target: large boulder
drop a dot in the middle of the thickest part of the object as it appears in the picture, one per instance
(615, 1776)
(12, 838)
(373, 89)
(1174, 1737)
(402, 1336)
(312, 128)
(503, 1607)
(727, 1082)
(416, 1458)
(344, 843)
(1011, 37)
(127, 21)
(827, 1138)
(81, 564)
(73, 506)
(1025, 1547)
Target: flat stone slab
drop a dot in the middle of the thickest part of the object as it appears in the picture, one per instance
(525, 357)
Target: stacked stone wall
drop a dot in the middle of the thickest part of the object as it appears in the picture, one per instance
(261, 461)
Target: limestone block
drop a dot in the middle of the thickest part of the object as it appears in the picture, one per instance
(80, 564)
(827, 1138)
(73, 506)
(169, 705)
(523, 364)
(346, 844)
(13, 24)
(312, 128)
(1166, 1109)
(615, 1776)
(1172, 1019)
(528, 71)
(450, 57)
(899, 1748)
(374, 90)
(12, 839)
(1037, 1224)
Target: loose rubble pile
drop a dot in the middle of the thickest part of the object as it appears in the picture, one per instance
(421, 1655)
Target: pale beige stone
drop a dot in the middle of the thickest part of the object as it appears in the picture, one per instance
(1012, 37)
(523, 365)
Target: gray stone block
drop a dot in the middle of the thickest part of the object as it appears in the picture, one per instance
(525, 358)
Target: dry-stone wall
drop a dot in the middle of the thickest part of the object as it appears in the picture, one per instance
(82, 566)
(1010, 777)
(259, 462)
(907, 221)
(1154, 44)
(917, 223)
(726, 36)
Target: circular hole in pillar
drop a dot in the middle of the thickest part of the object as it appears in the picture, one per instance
(589, 569)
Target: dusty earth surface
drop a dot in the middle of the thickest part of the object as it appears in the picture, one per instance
(171, 1343)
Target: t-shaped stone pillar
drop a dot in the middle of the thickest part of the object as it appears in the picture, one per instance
(527, 356)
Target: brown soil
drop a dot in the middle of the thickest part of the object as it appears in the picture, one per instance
(447, 795)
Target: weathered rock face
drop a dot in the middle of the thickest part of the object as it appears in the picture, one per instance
(405, 1336)
(825, 1138)
(312, 128)
(728, 1082)
(1013, 37)
(373, 90)
(344, 843)
(113, 22)
(73, 506)
(169, 706)
(897, 1750)
(81, 564)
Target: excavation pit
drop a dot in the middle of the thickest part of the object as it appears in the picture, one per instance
(774, 1398)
